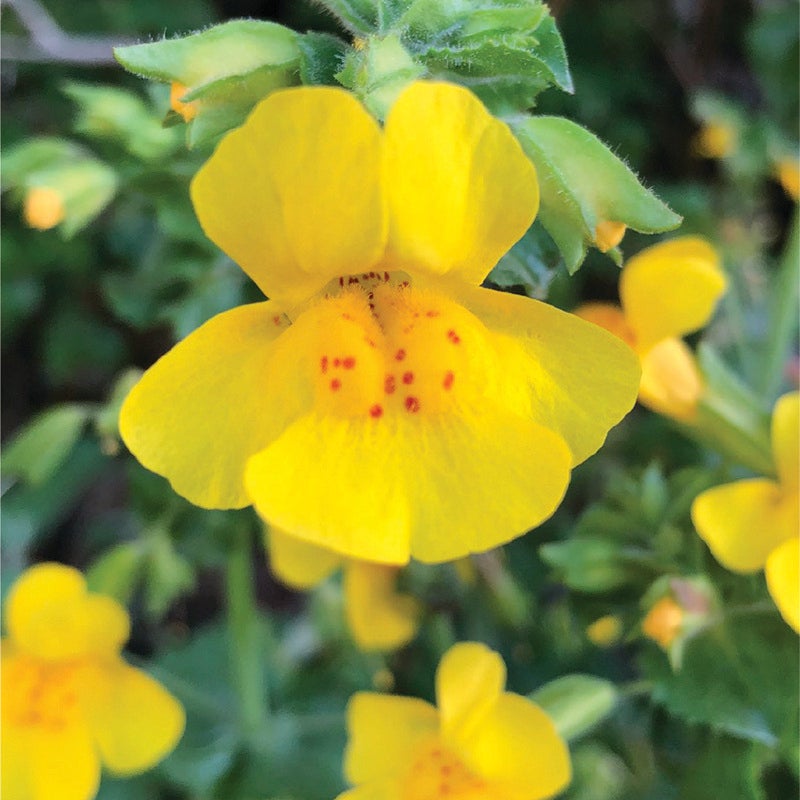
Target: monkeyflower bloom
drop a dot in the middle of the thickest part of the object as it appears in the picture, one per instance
(379, 617)
(666, 291)
(754, 524)
(604, 631)
(186, 110)
(380, 404)
(715, 139)
(43, 208)
(69, 701)
(481, 743)
(787, 171)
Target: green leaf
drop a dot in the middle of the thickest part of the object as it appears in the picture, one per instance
(41, 447)
(321, 57)
(726, 767)
(34, 155)
(358, 16)
(576, 703)
(583, 183)
(588, 564)
(169, 574)
(116, 573)
(530, 263)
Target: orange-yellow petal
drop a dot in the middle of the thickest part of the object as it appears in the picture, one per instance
(517, 746)
(435, 487)
(608, 316)
(786, 440)
(570, 376)
(459, 187)
(295, 195)
(608, 234)
(133, 718)
(378, 616)
(297, 563)
(43, 208)
(217, 397)
(671, 382)
(384, 734)
(783, 580)
(743, 522)
(469, 681)
(671, 289)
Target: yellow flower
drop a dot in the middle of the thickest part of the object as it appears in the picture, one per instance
(787, 170)
(69, 701)
(666, 291)
(187, 110)
(381, 404)
(379, 618)
(481, 743)
(755, 524)
(715, 139)
(43, 208)
(604, 631)
(663, 622)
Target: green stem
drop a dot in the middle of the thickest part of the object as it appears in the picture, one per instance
(784, 313)
(247, 645)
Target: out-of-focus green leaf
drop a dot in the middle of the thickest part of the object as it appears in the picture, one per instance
(726, 767)
(40, 448)
(169, 574)
(576, 703)
(588, 564)
(34, 155)
(583, 184)
(117, 571)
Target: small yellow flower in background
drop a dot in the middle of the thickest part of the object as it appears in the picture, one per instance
(604, 631)
(481, 743)
(379, 618)
(381, 404)
(666, 291)
(608, 235)
(43, 208)
(787, 171)
(663, 622)
(754, 524)
(187, 110)
(69, 701)
(715, 139)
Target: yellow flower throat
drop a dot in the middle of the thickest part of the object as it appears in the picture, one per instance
(439, 774)
(381, 346)
(44, 695)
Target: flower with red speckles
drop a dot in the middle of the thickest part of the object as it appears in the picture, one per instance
(380, 404)
(69, 700)
(481, 743)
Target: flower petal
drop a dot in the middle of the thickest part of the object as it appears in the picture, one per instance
(786, 440)
(671, 289)
(134, 719)
(469, 681)
(577, 379)
(297, 563)
(378, 616)
(294, 196)
(46, 612)
(608, 316)
(783, 580)
(459, 187)
(212, 401)
(385, 732)
(671, 383)
(743, 522)
(433, 487)
(517, 745)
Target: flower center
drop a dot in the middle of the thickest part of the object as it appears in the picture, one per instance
(439, 774)
(381, 346)
(41, 694)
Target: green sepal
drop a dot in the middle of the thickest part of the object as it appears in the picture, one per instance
(576, 703)
(531, 263)
(321, 58)
(41, 447)
(582, 183)
(360, 17)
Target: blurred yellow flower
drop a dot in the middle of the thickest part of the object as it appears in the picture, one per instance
(666, 291)
(754, 524)
(715, 139)
(381, 404)
(379, 618)
(43, 208)
(787, 170)
(187, 110)
(663, 622)
(481, 743)
(69, 701)
(604, 631)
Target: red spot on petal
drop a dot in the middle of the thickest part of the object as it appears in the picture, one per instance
(276, 319)
(370, 342)
(400, 355)
(453, 336)
(405, 285)
(412, 405)
(351, 280)
(347, 317)
(376, 411)
(449, 377)
(336, 384)
(386, 276)
(389, 384)
(323, 364)
(431, 314)
(349, 362)
(337, 362)
(341, 280)
(408, 377)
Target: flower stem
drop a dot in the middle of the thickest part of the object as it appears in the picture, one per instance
(246, 640)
